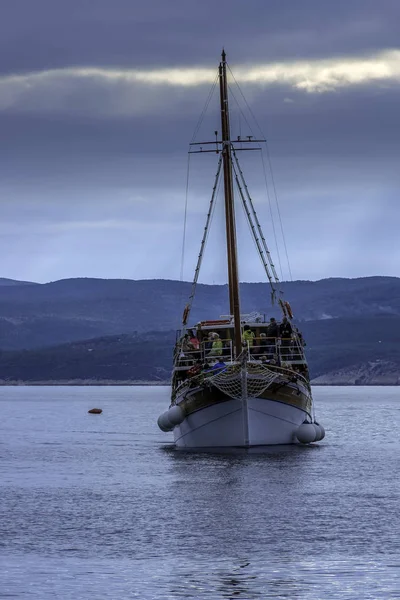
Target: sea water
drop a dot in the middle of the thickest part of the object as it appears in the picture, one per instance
(103, 506)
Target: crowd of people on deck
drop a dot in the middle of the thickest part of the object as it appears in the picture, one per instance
(279, 345)
(263, 348)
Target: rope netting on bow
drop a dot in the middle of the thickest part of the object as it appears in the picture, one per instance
(239, 381)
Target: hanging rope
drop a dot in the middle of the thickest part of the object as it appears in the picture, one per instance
(278, 254)
(201, 118)
(266, 262)
(188, 307)
(278, 210)
(196, 130)
(185, 218)
(258, 225)
(270, 168)
(253, 230)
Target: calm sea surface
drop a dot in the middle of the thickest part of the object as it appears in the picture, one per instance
(102, 506)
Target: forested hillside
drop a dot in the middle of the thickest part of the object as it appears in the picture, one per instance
(36, 315)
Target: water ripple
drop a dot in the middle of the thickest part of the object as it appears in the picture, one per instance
(113, 510)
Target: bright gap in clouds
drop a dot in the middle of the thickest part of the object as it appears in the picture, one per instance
(51, 88)
(311, 76)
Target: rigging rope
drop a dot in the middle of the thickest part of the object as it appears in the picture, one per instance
(188, 307)
(278, 254)
(253, 210)
(279, 211)
(270, 168)
(271, 213)
(202, 115)
(254, 232)
(196, 130)
(185, 218)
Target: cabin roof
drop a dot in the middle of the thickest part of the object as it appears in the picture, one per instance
(227, 326)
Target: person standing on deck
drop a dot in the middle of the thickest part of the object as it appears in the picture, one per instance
(262, 344)
(193, 340)
(187, 346)
(195, 343)
(285, 330)
(272, 335)
(248, 337)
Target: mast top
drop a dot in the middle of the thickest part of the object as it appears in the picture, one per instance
(223, 55)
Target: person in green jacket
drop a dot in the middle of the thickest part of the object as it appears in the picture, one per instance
(248, 336)
(217, 346)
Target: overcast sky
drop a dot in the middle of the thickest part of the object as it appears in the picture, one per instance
(99, 100)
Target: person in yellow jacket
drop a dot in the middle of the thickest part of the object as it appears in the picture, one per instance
(248, 336)
(217, 346)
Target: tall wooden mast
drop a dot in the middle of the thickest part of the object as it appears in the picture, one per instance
(233, 277)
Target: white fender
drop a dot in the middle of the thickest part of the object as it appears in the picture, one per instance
(322, 430)
(318, 432)
(164, 423)
(175, 415)
(306, 433)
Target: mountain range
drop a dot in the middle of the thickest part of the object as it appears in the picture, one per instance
(124, 330)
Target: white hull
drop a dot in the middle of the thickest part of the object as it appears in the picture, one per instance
(234, 423)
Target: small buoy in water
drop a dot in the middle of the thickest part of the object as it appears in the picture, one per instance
(306, 433)
(95, 411)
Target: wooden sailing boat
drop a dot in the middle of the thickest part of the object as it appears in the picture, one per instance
(239, 381)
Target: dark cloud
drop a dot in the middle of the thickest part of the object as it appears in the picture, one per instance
(45, 34)
(93, 169)
(357, 124)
